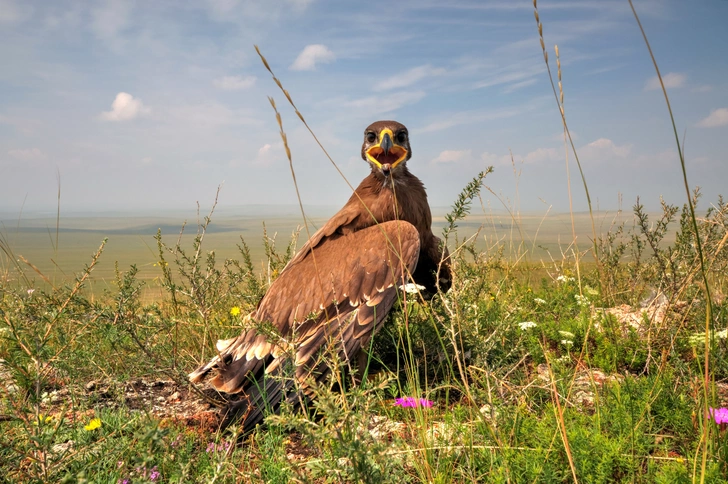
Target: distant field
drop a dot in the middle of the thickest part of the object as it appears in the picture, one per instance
(131, 239)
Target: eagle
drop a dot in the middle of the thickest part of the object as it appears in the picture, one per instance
(335, 293)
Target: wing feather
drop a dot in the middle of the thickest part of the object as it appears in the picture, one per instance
(316, 304)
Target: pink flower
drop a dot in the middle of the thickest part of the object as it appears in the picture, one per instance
(720, 415)
(413, 402)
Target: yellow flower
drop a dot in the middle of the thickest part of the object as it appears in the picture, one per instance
(43, 419)
(93, 424)
(235, 311)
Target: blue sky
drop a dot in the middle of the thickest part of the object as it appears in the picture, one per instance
(151, 105)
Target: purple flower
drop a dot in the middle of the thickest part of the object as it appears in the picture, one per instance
(154, 475)
(720, 415)
(210, 447)
(413, 402)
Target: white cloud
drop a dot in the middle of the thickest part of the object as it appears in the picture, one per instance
(268, 153)
(539, 155)
(490, 158)
(603, 149)
(671, 80)
(31, 154)
(408, 77)
(234, 83)
(124, 108)
(452, 156)
(310, 56)
(147, 159)
(718, 117)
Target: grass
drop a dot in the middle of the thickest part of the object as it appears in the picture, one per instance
(546, 361)
(623, 393)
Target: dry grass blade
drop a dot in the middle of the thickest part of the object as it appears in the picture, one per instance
(559, 101)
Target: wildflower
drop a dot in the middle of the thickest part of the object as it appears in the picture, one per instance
(567, 334)
(538, 300)
(93, 424)
(30, 292)
(210, 447)
(44, 419)
(235, 311)
(565, 279)
(591, 291)
(413, 402)
(581, 300)
(411, 288)
(720, 415)
(699, 338)
(527, 325)
(567, 342)
(154, 475)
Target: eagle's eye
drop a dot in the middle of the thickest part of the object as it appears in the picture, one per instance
(371, 137)
(401, 137)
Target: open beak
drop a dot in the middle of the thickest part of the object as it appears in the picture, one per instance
(385, 154)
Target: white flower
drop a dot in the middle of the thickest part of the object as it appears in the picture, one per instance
(538, 300)
(699, 338)
(567, 342)
(30, 292)
(526, 325)
(411, 288)
(567, 334)
(565, 279)
(581, 300)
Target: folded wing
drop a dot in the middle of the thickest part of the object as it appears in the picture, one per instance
(327, 303)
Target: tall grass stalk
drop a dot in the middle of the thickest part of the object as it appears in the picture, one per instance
(709, 326)
(559, 97)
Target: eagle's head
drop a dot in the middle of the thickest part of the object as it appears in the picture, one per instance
(386, 147)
